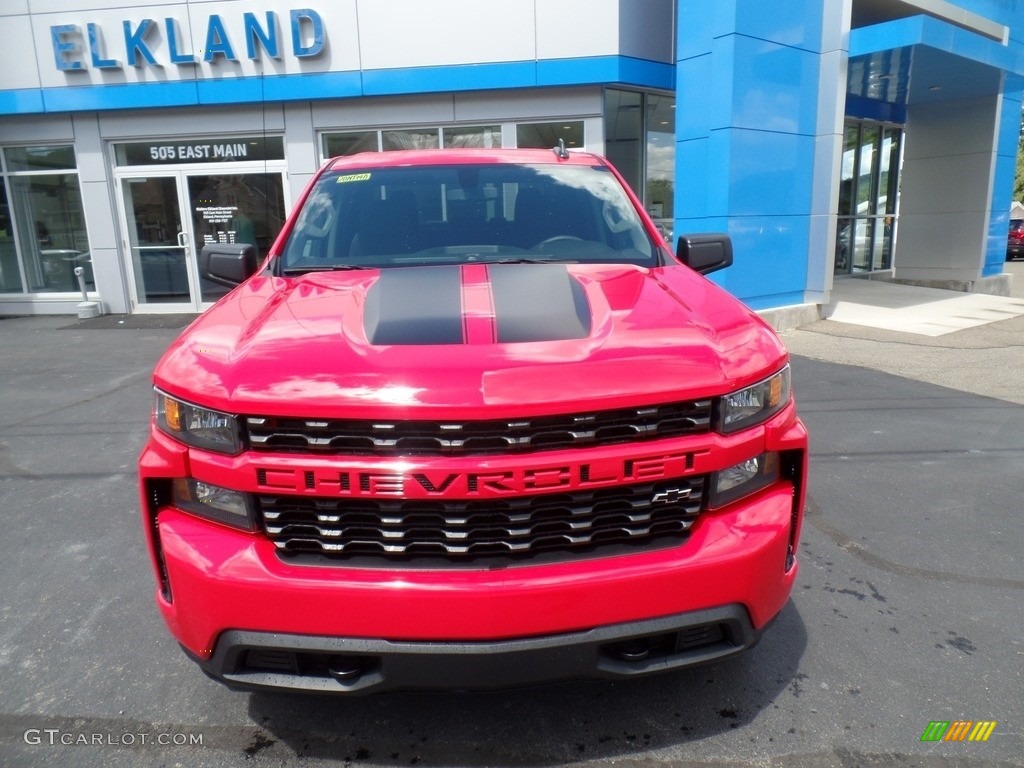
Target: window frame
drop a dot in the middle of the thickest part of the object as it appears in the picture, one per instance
(16, 218)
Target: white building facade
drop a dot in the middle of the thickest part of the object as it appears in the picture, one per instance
(817, 134)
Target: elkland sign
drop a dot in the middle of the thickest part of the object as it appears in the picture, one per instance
(148, 43)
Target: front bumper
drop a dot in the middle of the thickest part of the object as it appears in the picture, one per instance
(260, 660)
(254, 619)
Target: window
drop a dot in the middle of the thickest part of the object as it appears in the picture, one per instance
(547, 135)
(42, 224)
(339, 144)
(354, 142)
(488, 137)
(623, 134)
(460, 214)
(868, 188)
(422, 138)
(640, 141)
(659, 179)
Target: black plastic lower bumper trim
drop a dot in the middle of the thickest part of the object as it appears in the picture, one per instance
(262, 660)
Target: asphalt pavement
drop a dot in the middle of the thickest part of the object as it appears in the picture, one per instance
(908, 610)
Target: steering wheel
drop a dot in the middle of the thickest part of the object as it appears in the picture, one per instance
(556, 238)
(318, 223)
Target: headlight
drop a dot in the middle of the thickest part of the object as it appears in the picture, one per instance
(743, 479)
(198, 427)
(753, 405)
(212, 501)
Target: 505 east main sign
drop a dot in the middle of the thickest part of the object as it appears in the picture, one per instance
(75, 49)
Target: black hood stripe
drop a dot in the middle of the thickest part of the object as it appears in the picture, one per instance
(422, 305)
(538, 302)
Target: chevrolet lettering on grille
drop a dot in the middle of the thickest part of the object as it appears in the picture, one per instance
(329, 481)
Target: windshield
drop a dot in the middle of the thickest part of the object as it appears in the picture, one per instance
(458, 214)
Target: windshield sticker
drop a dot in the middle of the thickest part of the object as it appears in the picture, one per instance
(353, 177)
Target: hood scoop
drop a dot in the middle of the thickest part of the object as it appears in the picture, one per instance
(415, 306)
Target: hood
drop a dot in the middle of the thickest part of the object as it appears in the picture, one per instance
(468, 341)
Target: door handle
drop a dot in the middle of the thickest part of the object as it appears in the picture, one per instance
(183, 240)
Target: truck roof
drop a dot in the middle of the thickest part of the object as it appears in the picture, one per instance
(407, 157)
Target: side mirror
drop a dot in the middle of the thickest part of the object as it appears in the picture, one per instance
(228, 263)
(705, 253)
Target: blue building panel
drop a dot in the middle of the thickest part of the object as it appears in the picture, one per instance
(107, 97)
(692, 183)
(750, 125)
(939, 35)
(233, 90)
(796, 24)
(598, 70)
(770, 173)
(777, 87)
(21, 101)
(601, 70)
(754, 127)
(999, 216)
(770, 260)
(873, 109)
(697, 24)
(314, 85)
(693, 117)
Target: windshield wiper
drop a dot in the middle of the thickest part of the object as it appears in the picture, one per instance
(291, 271)
(524, 260)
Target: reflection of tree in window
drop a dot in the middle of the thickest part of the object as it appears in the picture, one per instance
(485, 137)
(426, 138)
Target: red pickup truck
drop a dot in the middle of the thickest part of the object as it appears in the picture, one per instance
(470, 424)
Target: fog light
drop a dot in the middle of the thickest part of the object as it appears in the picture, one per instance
(744, 478)
(213, 502)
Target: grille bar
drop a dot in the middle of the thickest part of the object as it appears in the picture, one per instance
(459, 529)
(455, 438)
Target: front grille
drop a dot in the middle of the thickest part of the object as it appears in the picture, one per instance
(462, 530)
(461, 438)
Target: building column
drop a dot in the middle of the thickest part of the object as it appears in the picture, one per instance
(946, 192)
(761, 93)
(99, 206)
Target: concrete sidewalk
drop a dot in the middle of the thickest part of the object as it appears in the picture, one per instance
(916, 310)
(970, 342)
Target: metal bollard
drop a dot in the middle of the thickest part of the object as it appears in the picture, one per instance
(86, 309)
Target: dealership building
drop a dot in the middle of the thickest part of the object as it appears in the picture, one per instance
(829, 138)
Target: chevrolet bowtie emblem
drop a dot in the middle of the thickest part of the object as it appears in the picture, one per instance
(671, 496)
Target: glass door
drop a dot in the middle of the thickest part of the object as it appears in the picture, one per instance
(170, 216)
(160, 258)
(177, 195)
(233, 208)
(868, 190)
